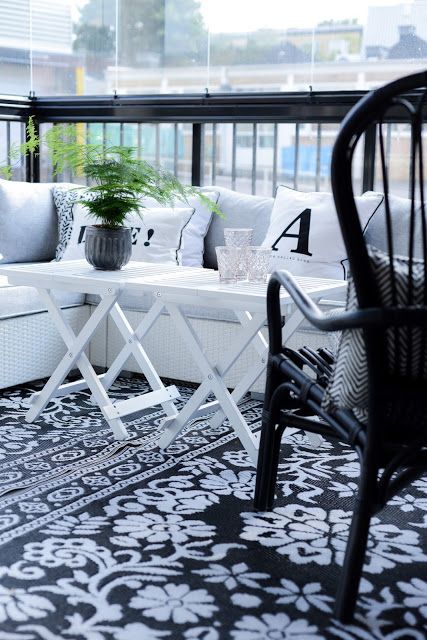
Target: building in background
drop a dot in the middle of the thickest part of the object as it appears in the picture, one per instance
(330, 41)
(400, 25)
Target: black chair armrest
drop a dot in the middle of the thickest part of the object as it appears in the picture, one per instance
(379, 317)
(322, 321)
(304, 303)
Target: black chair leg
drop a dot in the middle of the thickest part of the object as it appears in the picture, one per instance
(277, 441)
(266, 445)
(265, 465)
(348, 587)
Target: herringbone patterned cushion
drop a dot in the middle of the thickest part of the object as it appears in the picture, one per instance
(348, 385)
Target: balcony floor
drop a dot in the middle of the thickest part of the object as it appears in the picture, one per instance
(101, 539)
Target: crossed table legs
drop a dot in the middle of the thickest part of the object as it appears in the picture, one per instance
(99, 385)
(225, 404)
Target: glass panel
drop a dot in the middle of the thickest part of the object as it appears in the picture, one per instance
(182, 46)
(166, 35)
(330, 45)
(12, 134)
(167, 144)
(397, 143)
(357, 166)
(15, 47)
(55, 65)
(313, 155)
(93, 45)
(185, 146)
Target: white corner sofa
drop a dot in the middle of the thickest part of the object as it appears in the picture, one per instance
(30, 346)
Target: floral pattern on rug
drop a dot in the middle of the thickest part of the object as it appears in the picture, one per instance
(106, 540)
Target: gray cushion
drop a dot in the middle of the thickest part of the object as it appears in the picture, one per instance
(400, 209)
(240, 210)
(20, 301)
(28, 222)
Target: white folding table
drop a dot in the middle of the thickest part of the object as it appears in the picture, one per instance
(172, 288)
(248, 301)
(79, 276)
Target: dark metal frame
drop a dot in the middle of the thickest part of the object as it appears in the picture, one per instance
(314, 107)
(394, 440)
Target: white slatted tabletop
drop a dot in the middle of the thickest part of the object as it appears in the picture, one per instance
(78, 275)
(202, 287)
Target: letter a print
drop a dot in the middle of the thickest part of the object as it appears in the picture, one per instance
(303, 234)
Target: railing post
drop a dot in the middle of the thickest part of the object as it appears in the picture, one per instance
(369, 158)
(197, 155)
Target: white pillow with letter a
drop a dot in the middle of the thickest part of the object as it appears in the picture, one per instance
(304, 233)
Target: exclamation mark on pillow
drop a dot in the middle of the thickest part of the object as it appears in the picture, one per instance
(149, 236)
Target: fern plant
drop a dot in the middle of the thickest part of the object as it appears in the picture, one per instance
(118, 179)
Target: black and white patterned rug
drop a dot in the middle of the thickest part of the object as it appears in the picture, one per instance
(102, 540)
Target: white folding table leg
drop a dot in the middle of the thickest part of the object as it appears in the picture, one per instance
(236, 419)
(136, 349)
(213, 381)
(76, 355)
(260, 345)
(75, 345)
(240, 389)
(102, 399)
(120, 360)
(173, 426)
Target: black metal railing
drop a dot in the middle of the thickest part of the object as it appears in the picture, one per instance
(248, 142)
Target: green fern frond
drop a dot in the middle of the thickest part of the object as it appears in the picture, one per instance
(31, 145)
(6, 172)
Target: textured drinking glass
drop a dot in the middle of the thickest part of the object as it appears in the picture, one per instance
(238, 237)
(228, 261)
(258, 261)
(242, 264)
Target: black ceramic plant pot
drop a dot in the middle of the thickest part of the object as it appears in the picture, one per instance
(108, 249)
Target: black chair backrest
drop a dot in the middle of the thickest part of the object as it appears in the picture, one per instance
(401, 101)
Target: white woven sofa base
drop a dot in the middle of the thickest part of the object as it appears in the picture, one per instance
(169, 353)
(31, 347)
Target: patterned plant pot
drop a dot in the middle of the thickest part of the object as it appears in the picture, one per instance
(108, 249)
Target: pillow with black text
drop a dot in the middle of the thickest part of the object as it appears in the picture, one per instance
(304, 233)
(193, 236)
(156, 235)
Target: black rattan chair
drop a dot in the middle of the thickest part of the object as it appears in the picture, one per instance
(392, 441)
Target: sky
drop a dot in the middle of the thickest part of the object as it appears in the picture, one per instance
(248, 15)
